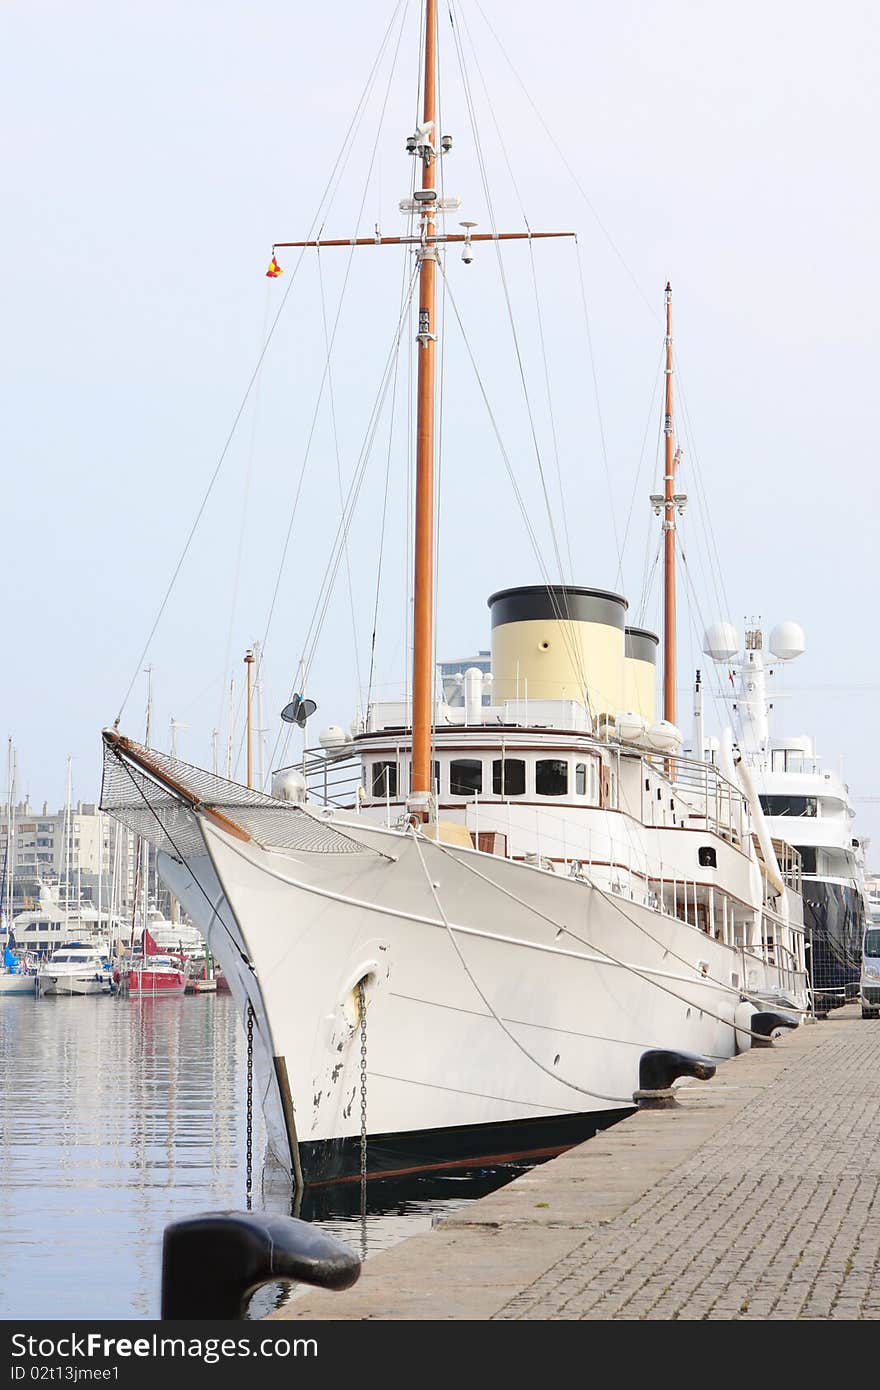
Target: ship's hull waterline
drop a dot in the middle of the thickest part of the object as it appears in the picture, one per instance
(531, 1005)
(72, 984)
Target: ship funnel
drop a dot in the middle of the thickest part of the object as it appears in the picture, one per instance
(640, 672)
(559, 642)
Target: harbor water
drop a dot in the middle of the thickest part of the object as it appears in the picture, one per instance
(118, 1116)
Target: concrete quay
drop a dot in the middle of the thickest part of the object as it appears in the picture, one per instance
(758, 1197)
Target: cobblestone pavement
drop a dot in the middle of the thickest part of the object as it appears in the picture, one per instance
(776, 1216)
(757, 1197)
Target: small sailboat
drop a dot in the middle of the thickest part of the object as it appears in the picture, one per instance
(153, 973)
(16, 977)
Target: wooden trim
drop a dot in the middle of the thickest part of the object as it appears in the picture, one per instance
(281, 1076)
(141, 758)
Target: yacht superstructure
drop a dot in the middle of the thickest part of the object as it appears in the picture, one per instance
(807, 805)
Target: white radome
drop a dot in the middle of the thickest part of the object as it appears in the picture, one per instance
(333, 737)
(289, 785)
(787, 641)
(721, 641)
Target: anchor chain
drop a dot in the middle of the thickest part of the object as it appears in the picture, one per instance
(249, 1122)
(362, 1013)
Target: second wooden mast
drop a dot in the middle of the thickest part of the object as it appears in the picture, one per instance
(423, 587)
(671, 500)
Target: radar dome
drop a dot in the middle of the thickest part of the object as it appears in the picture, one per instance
(289, 785)
(333, 738)
(721, 641)
(787, 641)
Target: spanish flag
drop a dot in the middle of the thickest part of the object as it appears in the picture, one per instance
(274, 269)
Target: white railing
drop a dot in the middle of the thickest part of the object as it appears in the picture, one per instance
(716, 801)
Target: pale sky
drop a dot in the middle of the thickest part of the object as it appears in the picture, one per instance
(153, 154)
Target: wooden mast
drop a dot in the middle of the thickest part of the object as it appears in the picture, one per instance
(669, 504)
(426, 144)
(423, 588)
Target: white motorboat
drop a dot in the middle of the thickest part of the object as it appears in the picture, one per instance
(458, 930)
(77, 968)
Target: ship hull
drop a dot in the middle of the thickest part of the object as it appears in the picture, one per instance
(500, 998)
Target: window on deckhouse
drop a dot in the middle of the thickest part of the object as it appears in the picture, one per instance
(509, 777)
(384, 779)
(551, 777)
(465, 776)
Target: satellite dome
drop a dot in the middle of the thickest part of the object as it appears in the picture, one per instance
(787, 641)
(332, 737)
(721, 641)
(289, 785)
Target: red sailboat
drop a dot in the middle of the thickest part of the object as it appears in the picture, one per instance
(154, 972)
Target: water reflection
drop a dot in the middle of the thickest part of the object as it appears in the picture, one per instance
(120, 1115)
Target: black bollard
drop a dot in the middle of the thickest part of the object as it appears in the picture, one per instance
(657, 1071)
(212, 1263)
(766, 1024)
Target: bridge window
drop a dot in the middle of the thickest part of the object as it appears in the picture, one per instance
(551, 777)
(789, 805)
(384, 779)
(465, 776)
(509, 777)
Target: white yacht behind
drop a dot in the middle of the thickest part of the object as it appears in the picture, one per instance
(806, 804)
(43, 929)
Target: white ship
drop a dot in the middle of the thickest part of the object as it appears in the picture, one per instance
(465, 957)
(804, 803)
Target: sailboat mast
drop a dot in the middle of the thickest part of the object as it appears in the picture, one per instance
(423, 589)
(249, 666)
(669, 532)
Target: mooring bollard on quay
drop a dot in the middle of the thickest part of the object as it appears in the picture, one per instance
(766, 1024)
(214, 1262)
(658, 1068)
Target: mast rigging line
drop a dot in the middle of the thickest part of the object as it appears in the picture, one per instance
(481, 162)
(244, 511)
(610, 900)
(595, 376)
(562, 617)
(379, 564)
(538, 313)
(326, 374)
(340, 160)
(714, 565)
(332, 401)
(574, 178)
(637, 480)
(574, 652)
(326, 587)
(582, 1090)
